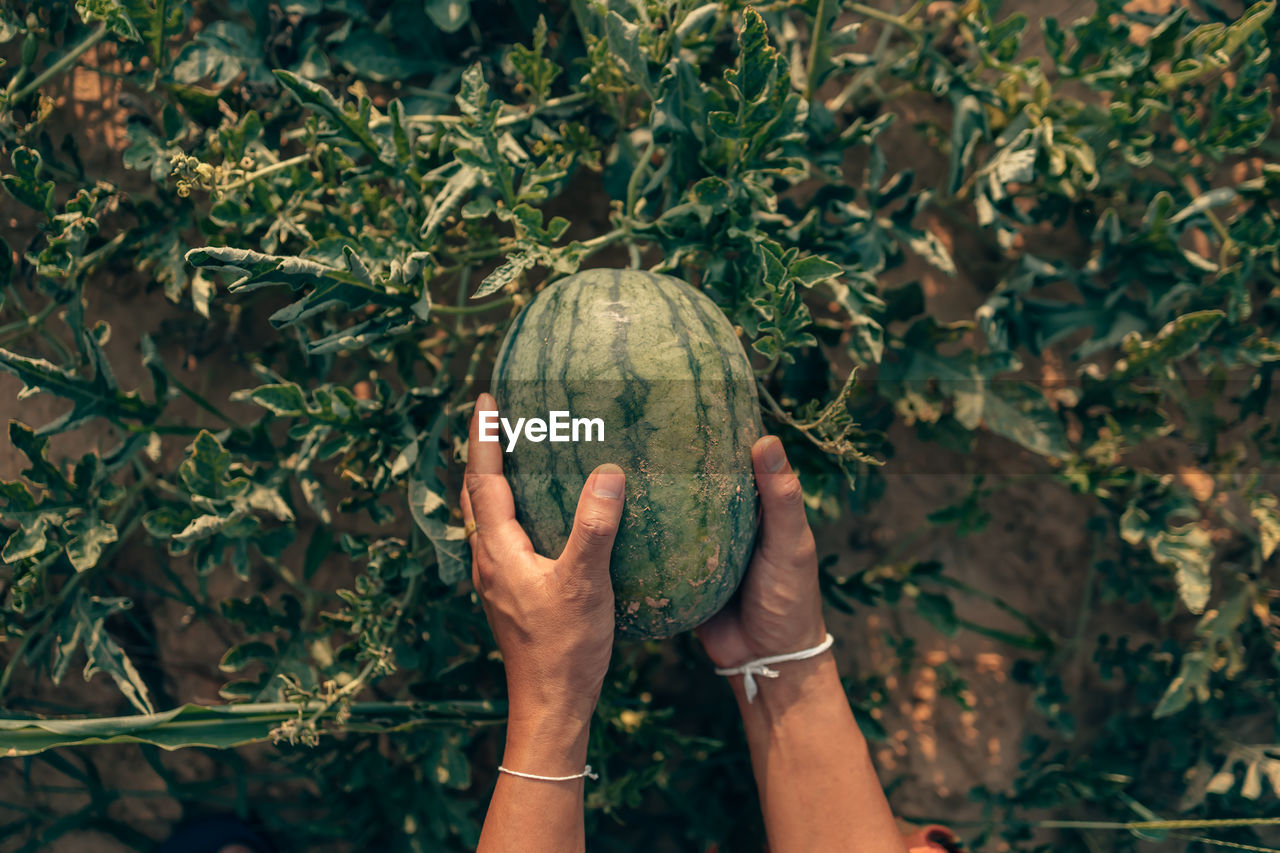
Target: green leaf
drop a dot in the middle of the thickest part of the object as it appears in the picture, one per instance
(1176, 340)
(1019, 412)
(968, 127)
(88, 537)
(624, 46)
(535, 70)
(757, 65)
(286, 400)
(1190, 552)
(205, 470)
(938, 611)
(30, 540)
(957, 380)
(351, 125)
(239, 657)
(91, 398)
(104, 654)
(430, 510)
(110, 12)
(165, 522)
(367, 54)
(1191, 682)
(351, 289)
(402, 136)
(724, 124)
(479, 146)
(156, 21)
(812, 269)
(147, 153)
(927, 245)
(458, 187)
(220, 53)
(1205, 201)
(449, 15)
(1263, 507)
(205, 526)
(712, 192)
(505, 274)
(25, 183)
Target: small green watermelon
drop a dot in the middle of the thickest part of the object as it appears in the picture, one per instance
(658, 365)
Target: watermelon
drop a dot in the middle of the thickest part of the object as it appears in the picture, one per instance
(658, 364)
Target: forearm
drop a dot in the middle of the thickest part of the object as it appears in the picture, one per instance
(533, 815)
(818, 788)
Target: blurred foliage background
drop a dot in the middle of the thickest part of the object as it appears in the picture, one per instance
(260, 253)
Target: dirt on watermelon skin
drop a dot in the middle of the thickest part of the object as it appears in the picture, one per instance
(657, 361)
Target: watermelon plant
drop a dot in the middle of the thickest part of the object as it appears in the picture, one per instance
(260, 256)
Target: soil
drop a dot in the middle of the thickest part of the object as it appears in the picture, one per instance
(1034, 554)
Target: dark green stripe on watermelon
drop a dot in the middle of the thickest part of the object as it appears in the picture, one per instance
(660, 364)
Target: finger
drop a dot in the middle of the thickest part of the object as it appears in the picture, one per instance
(784, 530)
(595, 525)
(468, 519)
(468, 522)
(489, 495)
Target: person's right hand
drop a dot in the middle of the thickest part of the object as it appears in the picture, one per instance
(552, 618)
(778, 608)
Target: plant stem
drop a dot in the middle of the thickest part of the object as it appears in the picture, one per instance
(104, 251)
(815, 47)
(267, 170)
(356, 684)
(504, 121)
(804, 429)
(470, 309)
(902, 22)
(633, 185)
(22, 328)
(17, 299)
(68, 59)
(597, 243)
(868, 76)
(1224, 823)
(198, 399)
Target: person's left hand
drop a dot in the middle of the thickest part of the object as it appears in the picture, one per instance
(553, 619)
(778, 607)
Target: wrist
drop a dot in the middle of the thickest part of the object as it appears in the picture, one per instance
(546, 742)
(801, 685)
(546, 698)
(798, 641)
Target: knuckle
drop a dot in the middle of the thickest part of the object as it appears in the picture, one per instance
(594, 531)
(474, 481)
(788, 491)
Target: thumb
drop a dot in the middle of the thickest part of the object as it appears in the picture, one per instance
(595, 525)
(784, 530)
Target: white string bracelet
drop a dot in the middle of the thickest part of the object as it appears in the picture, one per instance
(760, 667)
(586, 773)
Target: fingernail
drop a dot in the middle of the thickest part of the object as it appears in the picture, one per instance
(774, 457)
(486, 402)
(609, 482)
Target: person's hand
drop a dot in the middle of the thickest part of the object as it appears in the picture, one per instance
(778, 608)
(553, 619)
